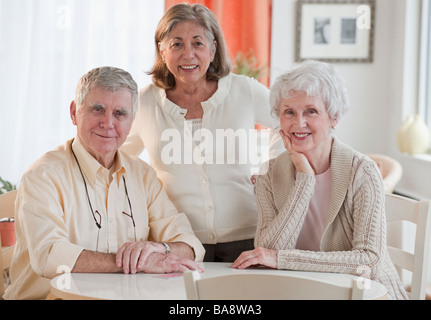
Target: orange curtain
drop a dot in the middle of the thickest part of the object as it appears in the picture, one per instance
(246, 26)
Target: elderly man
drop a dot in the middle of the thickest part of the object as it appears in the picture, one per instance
(89, 207)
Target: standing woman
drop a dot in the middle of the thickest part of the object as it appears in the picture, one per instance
(186, 120)
(321, 203)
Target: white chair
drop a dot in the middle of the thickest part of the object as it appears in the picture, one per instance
(7, 207)
(390, 169)
(400, 208)
(266, 287)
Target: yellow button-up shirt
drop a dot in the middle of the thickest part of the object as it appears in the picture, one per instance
(54, 222)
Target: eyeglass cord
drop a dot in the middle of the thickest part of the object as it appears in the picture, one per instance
(88, 197)
(86, 189)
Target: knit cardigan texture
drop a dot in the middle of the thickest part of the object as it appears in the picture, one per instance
(354, 239)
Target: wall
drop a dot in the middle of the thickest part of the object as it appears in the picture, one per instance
(381, 93)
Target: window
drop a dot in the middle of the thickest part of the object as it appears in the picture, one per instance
(424, 108)
(45, 47)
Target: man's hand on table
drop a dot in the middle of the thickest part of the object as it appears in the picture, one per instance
(150, 257)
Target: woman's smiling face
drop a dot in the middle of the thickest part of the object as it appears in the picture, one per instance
(188, 52)
(307, 123)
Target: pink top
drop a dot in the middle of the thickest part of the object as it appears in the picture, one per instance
(315, 220)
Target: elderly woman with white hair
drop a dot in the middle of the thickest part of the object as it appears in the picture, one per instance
(321, 203)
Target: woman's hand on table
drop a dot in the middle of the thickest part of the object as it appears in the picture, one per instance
(258, 256)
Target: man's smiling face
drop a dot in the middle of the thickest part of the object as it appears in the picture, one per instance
(103, 122)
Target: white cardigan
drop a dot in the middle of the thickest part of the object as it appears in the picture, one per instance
(354, 240)
(217, 197)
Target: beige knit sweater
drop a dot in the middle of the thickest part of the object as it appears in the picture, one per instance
(354, 240)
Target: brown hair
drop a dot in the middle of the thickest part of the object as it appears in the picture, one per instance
(221, 65)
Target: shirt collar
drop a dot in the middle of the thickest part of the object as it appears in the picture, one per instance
(90, 166)
(214, 101)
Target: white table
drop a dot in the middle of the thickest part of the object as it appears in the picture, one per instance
(156, 287)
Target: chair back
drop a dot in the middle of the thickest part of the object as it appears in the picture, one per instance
(266, 287)
(399, 208)
(390, 169)
(7, 208)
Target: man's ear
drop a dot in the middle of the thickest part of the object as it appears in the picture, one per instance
(73, 112)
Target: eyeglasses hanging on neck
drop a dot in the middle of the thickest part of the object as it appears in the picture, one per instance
(96, 215)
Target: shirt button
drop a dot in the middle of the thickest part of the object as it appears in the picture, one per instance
(204, 180)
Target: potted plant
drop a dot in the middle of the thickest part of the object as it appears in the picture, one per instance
(6, 186)
(248, 65)
(7, 225)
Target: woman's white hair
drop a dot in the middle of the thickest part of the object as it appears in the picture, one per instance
(316, 79)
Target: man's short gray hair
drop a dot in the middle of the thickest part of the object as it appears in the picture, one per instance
(107, 78)
(316, 79)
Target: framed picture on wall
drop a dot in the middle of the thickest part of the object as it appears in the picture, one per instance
(335, 31)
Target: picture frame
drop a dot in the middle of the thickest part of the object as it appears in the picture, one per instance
(336, 31)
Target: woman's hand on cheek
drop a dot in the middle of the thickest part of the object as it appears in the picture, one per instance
(299, 159)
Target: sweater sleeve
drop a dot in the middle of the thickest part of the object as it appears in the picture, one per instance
(280, 229)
